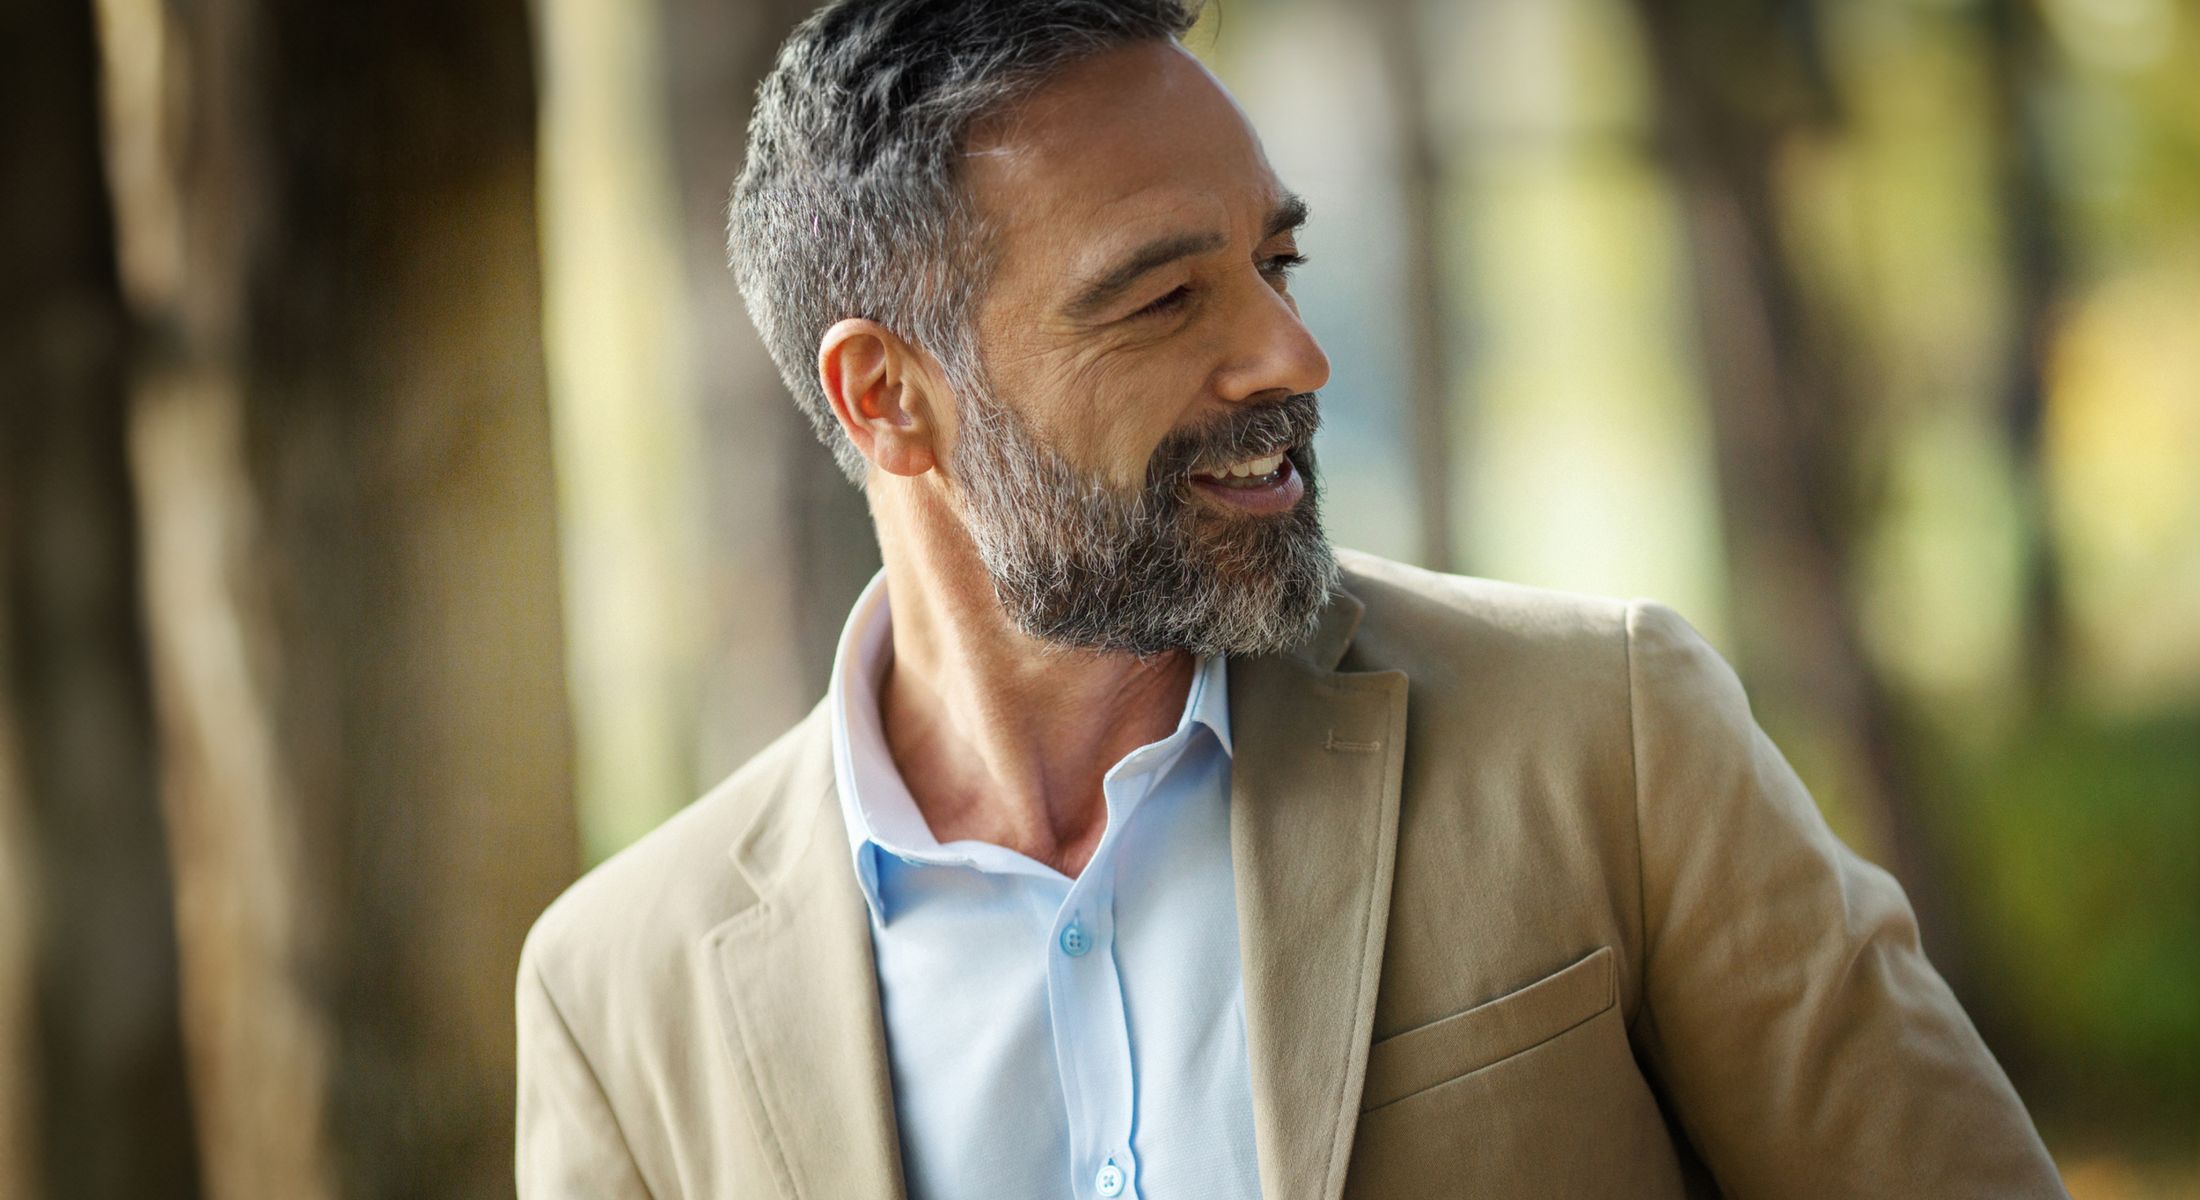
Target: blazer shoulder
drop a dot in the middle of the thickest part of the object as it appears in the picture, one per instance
(656, 897)
(1435, 627)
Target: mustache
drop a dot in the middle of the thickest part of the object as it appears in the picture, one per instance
(1245, 433)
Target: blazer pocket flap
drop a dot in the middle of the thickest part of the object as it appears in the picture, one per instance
(1446, 1048)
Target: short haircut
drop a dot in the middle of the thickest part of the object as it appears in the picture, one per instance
(851, 203)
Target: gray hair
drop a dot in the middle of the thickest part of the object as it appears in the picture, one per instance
(850, 203)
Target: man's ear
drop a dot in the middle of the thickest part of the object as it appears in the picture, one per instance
(880, 394)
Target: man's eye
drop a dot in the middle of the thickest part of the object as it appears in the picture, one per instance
(1169, 303)
(1281, 265)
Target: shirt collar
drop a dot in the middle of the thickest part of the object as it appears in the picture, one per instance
(875, 803)
(1209, 703)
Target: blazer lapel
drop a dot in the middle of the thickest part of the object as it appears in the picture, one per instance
(801, 1001)
(1313, 839)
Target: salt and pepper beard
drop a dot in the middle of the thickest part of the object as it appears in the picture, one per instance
(1082, 564)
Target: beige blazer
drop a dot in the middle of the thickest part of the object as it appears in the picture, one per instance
(1529, 907)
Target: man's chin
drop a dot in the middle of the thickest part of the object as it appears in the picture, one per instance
(1242, 595)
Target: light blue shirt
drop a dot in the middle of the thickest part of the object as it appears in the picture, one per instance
(1050, 1036)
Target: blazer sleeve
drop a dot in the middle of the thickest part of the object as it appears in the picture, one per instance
(1807, 1046)
(568, 1144)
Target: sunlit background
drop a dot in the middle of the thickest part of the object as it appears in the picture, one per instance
(400, 513)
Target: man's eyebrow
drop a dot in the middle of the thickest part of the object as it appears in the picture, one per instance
(1289, 214)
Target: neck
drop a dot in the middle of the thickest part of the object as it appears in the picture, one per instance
(999, 736)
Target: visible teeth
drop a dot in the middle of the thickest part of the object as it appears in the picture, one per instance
(1249, 468)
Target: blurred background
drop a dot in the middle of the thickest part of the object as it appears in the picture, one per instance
(398, 513)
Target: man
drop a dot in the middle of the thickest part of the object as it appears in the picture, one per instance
(1144, 847)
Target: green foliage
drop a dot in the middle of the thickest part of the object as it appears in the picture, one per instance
(2084, 836)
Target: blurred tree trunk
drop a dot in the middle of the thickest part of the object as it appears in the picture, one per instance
(345, 468)
(98, 1084)
(1732, 82)
(19, 1106)
(790, 539)
(2034, 254)
(1430, 400)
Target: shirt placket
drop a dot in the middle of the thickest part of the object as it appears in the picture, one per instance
(1085, 997)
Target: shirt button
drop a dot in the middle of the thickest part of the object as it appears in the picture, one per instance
(1074, 944)
(1110, 1180)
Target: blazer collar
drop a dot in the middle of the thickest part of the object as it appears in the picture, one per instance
(798, 993)
(1313, 841)
(1313, 837)
(1333, 632)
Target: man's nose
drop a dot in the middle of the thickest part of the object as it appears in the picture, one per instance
(1271, 352)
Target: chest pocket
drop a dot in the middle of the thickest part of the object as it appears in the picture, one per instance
(1408, 1063)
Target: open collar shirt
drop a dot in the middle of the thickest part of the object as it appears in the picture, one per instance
(1050, 1036)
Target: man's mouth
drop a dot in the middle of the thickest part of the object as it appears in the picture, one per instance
(1268, 483)
(1249, 473)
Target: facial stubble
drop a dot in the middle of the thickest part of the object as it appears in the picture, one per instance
(1080, 563)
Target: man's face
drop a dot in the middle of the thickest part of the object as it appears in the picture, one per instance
(1138, 342)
